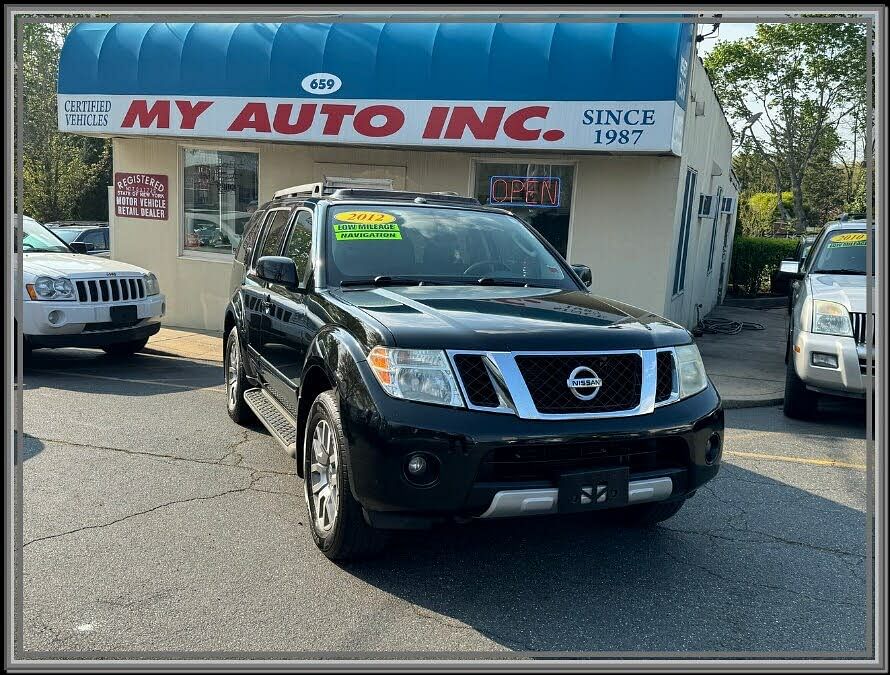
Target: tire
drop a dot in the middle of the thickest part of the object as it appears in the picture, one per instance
(122, 349)
(236, 382)
(800, 403)
(340, 532)
(648, 515)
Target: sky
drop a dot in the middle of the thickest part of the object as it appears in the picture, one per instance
(728, 32)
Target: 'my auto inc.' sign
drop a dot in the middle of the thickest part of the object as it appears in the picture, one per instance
(605, 87)
(617, 126)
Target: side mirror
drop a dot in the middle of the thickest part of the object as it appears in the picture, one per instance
(789, 268)
(277, 270)
(584, 273)
(81, 247)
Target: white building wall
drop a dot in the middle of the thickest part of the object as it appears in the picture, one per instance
(707, 148)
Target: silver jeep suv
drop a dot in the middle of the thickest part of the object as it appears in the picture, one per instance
(829, 327)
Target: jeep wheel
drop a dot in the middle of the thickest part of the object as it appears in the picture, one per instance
(335, 518)
(800, 402)
(122, 349)
(648, 515)
(236, 383)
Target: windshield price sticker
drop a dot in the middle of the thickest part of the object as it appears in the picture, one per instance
(848, 239)
(366, 231)
(365, 217)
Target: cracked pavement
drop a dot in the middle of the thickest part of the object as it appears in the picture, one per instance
(152, 523)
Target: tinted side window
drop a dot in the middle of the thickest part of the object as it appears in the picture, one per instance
(96, 238)
(248, 241)
(274, 232)
(300, 242)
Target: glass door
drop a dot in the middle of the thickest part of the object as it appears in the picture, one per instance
(539, 194)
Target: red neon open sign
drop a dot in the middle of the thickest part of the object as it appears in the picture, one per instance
(540, 192)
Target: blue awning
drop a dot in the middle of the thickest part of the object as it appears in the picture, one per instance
(405, 61)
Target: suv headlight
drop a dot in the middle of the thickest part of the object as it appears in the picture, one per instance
(152, 287)
(690, 370)
(47, 288)
(422, 375)
(831, 318)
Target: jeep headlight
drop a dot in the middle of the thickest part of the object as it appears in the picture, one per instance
(47, 288)
(690, 370)
(831, 318)
(152, 287)
(422, 375)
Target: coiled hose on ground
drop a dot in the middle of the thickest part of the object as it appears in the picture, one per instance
(722, 326)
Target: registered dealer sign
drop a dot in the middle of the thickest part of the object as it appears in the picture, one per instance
(140, 195)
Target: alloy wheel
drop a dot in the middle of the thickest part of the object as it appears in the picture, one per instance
(323, 476)
(233, 371)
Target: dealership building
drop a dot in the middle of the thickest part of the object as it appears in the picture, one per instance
(606, 137)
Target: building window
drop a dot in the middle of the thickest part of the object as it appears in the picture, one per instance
(685, 224)
(220, 194)
(540, 194)
(714, 229)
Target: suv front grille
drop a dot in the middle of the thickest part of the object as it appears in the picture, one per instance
(546, 377)
(477, 383)
(110, 289)
(861, 326)
(547, 462)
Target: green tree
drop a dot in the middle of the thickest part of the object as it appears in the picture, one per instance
(65, 175)
(804, 78)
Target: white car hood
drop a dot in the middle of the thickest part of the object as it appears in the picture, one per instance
(74, 265)
(847, 289)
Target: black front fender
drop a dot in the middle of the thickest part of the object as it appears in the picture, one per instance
(332, 362)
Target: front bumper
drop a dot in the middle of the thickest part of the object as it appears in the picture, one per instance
(102, 338)
(87, 324)
(849, 378)
(474, 452)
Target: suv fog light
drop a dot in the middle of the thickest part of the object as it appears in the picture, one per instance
(824, 360)
(416, 465)
(56, 317)
(713, 452)
(421, 469)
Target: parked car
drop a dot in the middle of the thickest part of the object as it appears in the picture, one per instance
(427, 359)
(96, 238)
(829, 327)
(75, 300)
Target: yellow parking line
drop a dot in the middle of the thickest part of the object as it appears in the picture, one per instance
(796, 460)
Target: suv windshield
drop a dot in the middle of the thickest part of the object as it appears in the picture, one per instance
(37, 239)
(841, 252)
(426, 244)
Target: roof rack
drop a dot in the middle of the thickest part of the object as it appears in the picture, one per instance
(405, 196)
(333, 183)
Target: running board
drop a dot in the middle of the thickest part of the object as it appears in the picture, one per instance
(274, 417)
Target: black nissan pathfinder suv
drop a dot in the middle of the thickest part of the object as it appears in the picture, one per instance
(425, 358)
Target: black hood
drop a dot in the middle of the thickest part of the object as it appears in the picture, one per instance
(512, 319)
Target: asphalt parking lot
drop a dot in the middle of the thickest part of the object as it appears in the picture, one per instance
(152, 523)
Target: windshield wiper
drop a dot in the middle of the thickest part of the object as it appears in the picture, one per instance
(491, 281)
(842, 270)
(387, 281)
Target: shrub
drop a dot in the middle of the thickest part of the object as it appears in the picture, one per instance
(754, 259)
